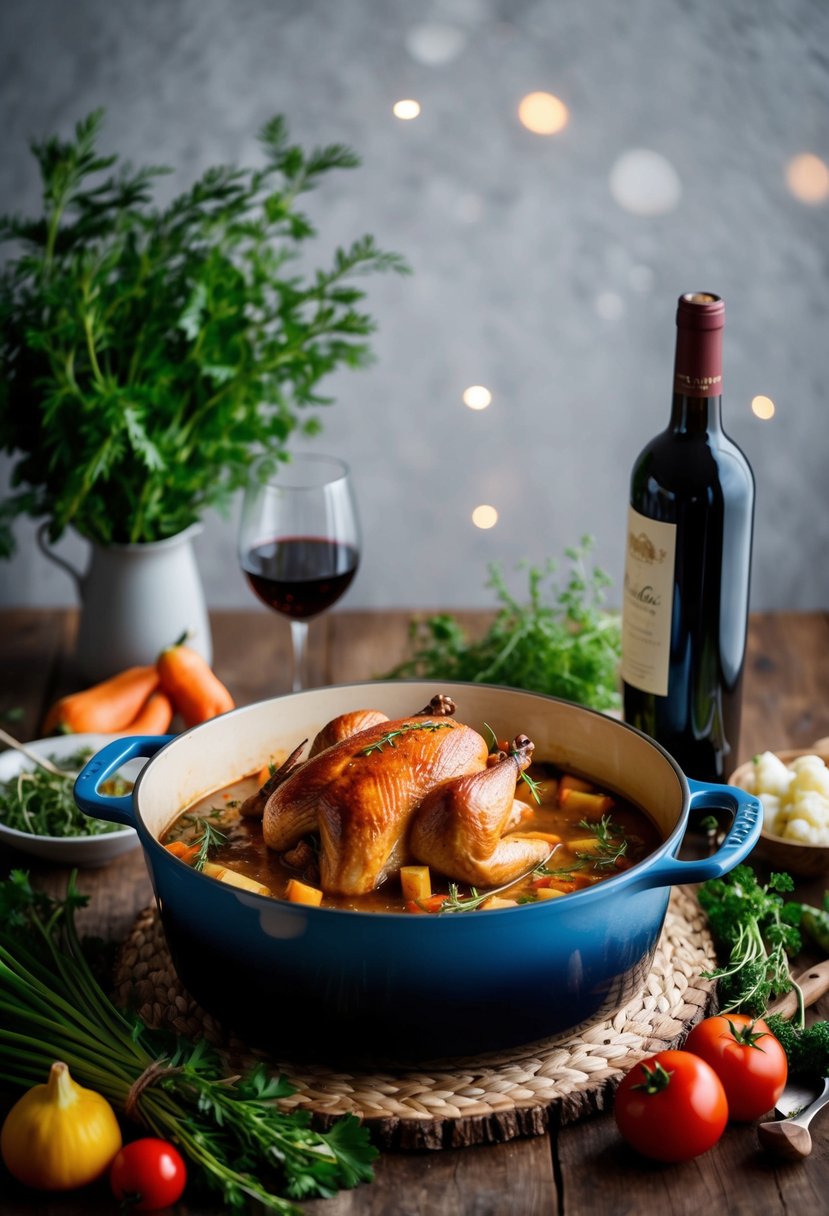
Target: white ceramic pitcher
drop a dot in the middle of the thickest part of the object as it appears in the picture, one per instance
(135, 600)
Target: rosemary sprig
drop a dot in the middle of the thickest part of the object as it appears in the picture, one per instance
(390, 735)
(612, 843)
(494, 746)
(455, 902)
(211, 838)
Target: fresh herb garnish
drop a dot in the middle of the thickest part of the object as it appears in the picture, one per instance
(150, 353)
(238, 1142)
(42, 803)
(758, 929)
(611, 844)
(494, 746)
(455, 902)
(210, 838)
(567, 646)
(389, 737)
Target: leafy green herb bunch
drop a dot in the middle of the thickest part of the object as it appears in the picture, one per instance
(149, 353)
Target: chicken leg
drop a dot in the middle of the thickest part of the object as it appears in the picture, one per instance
(458, 827)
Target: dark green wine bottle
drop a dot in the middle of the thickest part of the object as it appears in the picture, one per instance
(688, 564)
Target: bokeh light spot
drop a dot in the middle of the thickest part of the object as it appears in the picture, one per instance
(645, 183)
(807, 177)
(762, 407)
(435, 44)
(484, 516)
(477, 397)
(407, 108)
(543, 114)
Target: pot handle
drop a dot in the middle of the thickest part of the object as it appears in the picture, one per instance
(739, 841)
(101, 766)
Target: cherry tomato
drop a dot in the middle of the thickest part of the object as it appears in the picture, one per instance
(671, 1106)
(148, 1174)
(746, 1057)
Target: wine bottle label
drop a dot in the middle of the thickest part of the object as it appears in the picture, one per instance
(646, 607)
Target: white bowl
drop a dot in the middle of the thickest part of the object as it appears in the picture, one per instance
(85, 851)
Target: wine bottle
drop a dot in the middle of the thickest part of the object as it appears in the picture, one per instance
(688, 564)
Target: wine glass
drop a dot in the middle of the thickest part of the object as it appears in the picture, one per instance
(299, 541)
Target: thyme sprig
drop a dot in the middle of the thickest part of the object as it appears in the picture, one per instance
(559, 641)
(389, 737)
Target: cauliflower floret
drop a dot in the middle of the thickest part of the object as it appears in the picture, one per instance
(769, 776)
(811, 806)
(771, 812)
(810, 773)
(805, 832)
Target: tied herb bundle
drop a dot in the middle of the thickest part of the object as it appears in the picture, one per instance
(150, 353)
(560, 641)
(231, 1129)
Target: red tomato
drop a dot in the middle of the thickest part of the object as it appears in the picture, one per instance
(148, 1174)
(671, 1106)
(746, 1057)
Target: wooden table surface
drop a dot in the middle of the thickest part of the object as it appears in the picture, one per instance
(571, 1170)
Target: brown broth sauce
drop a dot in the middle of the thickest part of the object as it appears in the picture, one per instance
(246, 852)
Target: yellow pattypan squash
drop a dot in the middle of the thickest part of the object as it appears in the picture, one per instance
(59, 1135)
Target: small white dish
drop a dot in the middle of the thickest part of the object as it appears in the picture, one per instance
(87, 851)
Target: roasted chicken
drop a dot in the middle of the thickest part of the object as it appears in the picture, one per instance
(382, 793)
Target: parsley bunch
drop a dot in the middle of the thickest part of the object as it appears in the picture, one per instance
(759, 930)
(565, 645)
(149, 353)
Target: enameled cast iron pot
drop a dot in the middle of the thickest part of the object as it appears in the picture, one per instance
(327, 983)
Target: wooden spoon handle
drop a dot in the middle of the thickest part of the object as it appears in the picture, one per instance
(785, 1139)
(813, 982)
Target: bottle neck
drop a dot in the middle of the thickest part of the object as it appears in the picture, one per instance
(695, 415)
(697, 399)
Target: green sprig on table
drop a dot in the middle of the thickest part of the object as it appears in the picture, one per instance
(560, 640)
(237, 1139)
(149, 353)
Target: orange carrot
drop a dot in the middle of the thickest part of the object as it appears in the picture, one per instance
(300, 893)
(106, 707)
(181, 850)
(154, 716)
(194, 689)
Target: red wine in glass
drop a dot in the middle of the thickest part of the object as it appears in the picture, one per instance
(299, 540)
(300, 576)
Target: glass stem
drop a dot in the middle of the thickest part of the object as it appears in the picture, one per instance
(299, 641)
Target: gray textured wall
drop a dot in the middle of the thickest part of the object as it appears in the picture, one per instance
(530, 276)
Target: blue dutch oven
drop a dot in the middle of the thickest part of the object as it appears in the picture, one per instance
(333, 984)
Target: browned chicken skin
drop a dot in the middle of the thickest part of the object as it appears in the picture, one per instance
(422, 789)
(459, 826)
(361, 793)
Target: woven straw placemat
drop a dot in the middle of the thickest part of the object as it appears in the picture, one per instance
(469, 1101)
